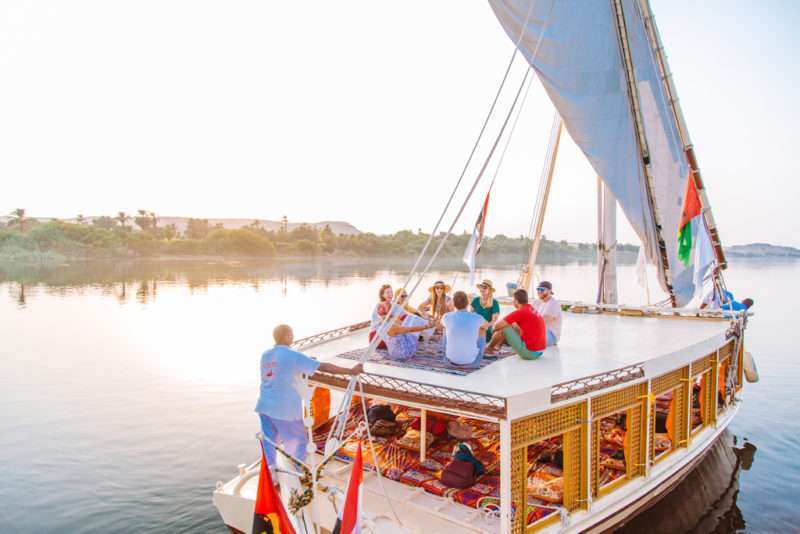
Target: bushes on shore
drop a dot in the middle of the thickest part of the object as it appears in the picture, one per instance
(97, 241)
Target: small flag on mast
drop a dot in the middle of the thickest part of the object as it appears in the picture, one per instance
(350, 520)
(474, 245)
(269, 516)
(692, 208)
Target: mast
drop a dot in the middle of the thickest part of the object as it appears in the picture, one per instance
(669, 86)
(606, 244)
(638, 124)
(545, 182)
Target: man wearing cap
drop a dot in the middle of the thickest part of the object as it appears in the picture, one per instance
(550, 310)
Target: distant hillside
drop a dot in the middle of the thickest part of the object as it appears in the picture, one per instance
(338, 227)
(762, 250)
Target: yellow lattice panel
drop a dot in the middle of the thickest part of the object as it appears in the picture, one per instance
(703, 364)
(618, 401)
(740, 368)
(714, 388)
(572, 474)
(633, 401)
(637, 428)
(519, 486)
(681, 419)
(652, 429)
(529, 430)
(595, 456)
(706, 401)
(664, 383)
(726, 350)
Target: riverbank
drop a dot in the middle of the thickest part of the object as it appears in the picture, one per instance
(58, 241)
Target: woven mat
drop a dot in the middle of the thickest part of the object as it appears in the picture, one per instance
(429, 357)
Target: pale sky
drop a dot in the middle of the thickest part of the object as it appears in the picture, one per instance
(358, 111)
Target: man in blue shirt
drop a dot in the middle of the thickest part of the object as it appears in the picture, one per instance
(279, 404)
(464, 334)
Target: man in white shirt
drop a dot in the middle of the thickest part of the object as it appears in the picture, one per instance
(550, 310)
(464, 337)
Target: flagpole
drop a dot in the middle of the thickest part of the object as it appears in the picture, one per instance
(546, 180)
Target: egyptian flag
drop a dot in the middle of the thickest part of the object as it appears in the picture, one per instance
(269, 516)
(350, 520)
(689, 218)
(474, 245)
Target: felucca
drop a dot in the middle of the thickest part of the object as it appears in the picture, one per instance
(607, 421)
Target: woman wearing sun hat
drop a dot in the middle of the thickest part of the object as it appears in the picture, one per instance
(438, 302)
(486, 305)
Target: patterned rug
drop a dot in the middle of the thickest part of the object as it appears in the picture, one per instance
(429, 357)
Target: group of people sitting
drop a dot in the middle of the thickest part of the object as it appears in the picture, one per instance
(470, 330)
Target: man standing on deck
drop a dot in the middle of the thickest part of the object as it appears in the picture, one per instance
(279, 404)
(523, 329)
(550, 309)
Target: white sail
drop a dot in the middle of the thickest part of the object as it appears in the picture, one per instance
(580, 65)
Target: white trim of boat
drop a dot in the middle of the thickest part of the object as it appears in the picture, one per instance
(658, 345)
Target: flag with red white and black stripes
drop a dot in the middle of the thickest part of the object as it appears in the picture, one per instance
(349, 522)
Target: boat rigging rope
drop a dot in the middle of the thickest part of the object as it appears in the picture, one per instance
(386, 322)
(340, 421)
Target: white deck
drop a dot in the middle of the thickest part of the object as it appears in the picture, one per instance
(590, 344)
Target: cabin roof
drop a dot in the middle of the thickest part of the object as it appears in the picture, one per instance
(590, 344)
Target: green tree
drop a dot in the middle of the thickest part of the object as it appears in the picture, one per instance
(104, 222)
(196, 228)
(143, 221)
(170, 232)
(122, 218)
(80, 219)
(19, 218)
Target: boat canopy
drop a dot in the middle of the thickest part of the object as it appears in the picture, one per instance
(581, 65)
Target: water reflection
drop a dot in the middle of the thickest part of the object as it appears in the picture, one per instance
(706, 500)
(162, 377)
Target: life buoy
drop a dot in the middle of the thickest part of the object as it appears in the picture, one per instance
(750, 369)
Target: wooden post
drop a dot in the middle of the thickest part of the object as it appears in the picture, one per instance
(669, 86)
(505, 476)
(423, 434)
(638, 125)
(541, 201)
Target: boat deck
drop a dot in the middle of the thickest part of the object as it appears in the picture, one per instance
(591, 344)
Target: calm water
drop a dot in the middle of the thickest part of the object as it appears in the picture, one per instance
(127, 389)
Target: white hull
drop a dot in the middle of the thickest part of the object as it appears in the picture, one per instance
(423, 512)
(419, 511)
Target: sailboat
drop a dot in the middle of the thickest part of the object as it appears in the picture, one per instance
(608, 421)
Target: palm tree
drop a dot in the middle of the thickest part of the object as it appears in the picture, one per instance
(154, 219)
(19, 218)
(80, 219)
(122, 217)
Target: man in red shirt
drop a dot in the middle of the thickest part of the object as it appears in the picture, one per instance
(523, 329)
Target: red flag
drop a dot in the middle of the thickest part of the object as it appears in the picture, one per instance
(269, 516)
(350, 522)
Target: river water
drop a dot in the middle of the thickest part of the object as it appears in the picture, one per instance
(127, 389)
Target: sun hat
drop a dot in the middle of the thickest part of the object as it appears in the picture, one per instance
(487, 283)
(447, 287)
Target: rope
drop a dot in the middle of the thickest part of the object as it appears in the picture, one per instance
(385, 324)
(375, 457)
